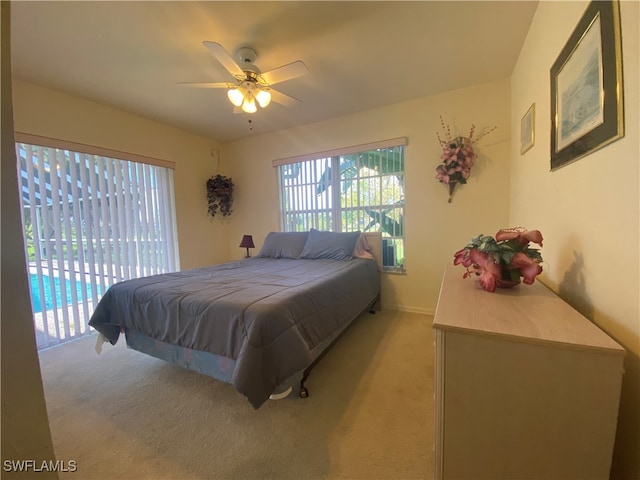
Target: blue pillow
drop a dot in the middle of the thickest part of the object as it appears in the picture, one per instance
(334, 245)
(283, 244)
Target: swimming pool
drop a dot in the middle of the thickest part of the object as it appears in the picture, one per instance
(36, 298)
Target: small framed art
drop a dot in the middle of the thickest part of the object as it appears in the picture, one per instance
(586, 86)
(528, 129)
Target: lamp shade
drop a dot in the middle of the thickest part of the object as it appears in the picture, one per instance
(263, 97)
(249, 105)
(247, 242)
(236, 96)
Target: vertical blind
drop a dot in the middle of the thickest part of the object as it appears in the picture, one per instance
(90, 221)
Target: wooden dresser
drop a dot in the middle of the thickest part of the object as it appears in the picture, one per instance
(526, 387)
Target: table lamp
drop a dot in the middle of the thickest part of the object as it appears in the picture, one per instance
(247, 242)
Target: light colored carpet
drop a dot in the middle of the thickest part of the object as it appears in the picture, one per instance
(125, 415)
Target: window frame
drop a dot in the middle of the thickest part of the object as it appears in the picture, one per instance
(336, 208)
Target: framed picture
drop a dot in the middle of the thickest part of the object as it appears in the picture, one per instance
(528, 129)
(586, 86)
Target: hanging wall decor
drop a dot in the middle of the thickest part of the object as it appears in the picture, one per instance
(457, 157)
(219, 195)
(528, 129)
(586, 86)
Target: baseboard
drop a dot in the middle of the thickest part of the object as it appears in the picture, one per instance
(402, 308)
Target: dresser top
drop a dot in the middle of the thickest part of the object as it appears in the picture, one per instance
(529, 313)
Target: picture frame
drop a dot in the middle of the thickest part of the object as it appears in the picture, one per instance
(586, 86)
(528, 129)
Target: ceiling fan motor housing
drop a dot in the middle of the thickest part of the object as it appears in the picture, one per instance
(246, 57)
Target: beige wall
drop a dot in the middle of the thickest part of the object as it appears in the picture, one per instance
(50, 113)
(435, 229)
(25, 425)
(588, 211)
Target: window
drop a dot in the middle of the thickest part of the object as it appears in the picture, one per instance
(361, 188)
(89, 221)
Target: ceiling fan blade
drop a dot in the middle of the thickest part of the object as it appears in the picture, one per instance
(224, 58)
(205, 85)
(286, 72)
(283, 99)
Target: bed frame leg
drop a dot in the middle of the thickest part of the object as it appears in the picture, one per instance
(375, 306)
(304, 391)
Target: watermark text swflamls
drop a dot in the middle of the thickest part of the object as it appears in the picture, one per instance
(39, 466)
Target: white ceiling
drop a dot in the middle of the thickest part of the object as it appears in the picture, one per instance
(361, 55)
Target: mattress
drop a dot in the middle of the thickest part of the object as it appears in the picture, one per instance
(267, 316)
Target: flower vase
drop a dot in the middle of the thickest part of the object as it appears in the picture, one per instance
(504, 283)
(506, 280)
(452, 186)
(221, 192)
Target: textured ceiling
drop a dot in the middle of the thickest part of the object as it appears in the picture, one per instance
(361, 55)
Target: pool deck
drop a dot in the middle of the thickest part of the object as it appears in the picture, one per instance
(50, 324)
(49, 335)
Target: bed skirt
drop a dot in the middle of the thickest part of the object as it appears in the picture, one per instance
(219, 366)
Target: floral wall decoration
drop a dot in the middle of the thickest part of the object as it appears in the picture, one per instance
(219, 195)
(457, 156)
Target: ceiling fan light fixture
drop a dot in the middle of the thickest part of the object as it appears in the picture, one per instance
(263, 97)
(246, 94)
(236, 96)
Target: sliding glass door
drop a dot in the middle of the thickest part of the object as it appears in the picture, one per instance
(90, 221)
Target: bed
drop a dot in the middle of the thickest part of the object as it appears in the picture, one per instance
(259, 324)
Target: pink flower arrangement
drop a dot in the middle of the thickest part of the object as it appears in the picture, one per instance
(457, 157)
(503, 260)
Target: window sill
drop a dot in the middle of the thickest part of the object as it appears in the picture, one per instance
(394, 270)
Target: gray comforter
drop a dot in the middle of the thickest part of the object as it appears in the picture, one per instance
(268, 315)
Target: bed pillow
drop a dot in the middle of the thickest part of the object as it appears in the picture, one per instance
(283, 244)
(362, 249)
(333, 245)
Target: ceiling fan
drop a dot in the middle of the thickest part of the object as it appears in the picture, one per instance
(252, 86)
